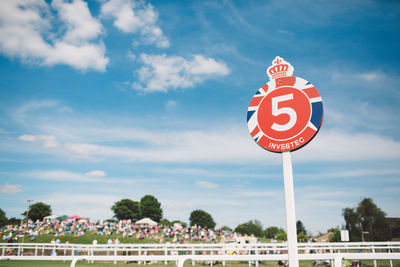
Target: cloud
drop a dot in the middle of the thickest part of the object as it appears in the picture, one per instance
(129, 139)
(258, 193)
(372, 76)
(96, 173)
(94, 206)
(81, 26)
(27, 137)
(26, 32)
(90, 139)
(182, 146)
(338, 145)
(47, 141)
(10, 188)
(365, 172)
(208, 145)
(359, 77)
(136, 17)
(162, 72)
(20, 113)
(170, 104)
(62, 176)
(207, 185)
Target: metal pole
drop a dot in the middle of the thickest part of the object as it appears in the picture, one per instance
(362, 233)
(290, 209)
(27, 218)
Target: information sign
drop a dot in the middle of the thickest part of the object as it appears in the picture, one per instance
(285, 113)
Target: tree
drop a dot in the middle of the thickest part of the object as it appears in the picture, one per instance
(126, 209)
(301, 237)
(165, 222)
(271, 232)
(250, 228)
(201, 218)
(38, 211)
(281, 234)
(226, 228)
(352, 220)
(395, 228)
(394, 224)
(300, 228)
(3, 218)
(334, 235)
(367, 222)
(149, 207)
(14, 221)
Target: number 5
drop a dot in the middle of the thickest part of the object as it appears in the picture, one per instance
(286, 110)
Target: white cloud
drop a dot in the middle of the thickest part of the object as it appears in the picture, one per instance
(91, 139)
(170, 104)
(47, 141)
(86, 151)
(372, 76)
(224, 142)
(208, 145)
(358, 77)
(206, 184)
(136, 17)
(57, 175)
(26, 33)
(27, 137)
(96, 173)
(63, 176)
(263, 193)
(94, 206)
(162, 72)
(8, 188)
(342, 146)
(174, 146)
(81, 26)
(206, 66)
(365, 172)
(131, 56)
(82, 57)
(20, 114)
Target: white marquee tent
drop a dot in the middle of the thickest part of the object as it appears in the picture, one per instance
(51, 217)
(147, 221)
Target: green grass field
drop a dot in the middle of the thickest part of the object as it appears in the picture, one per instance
(101, 239)
(188, 264)
(86, 239)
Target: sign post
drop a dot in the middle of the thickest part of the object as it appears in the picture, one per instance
(290, 210)
(284, 115)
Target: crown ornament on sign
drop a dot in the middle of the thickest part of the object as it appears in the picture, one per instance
(279, 68)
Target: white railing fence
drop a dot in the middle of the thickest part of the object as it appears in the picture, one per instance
(145, 253)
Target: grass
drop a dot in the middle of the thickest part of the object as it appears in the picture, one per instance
(86, 239)
(370, 263)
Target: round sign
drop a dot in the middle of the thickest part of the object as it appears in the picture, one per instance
(285, 114)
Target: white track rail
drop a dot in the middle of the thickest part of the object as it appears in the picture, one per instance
(180, 253)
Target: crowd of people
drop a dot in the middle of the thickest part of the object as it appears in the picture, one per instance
(125, 228)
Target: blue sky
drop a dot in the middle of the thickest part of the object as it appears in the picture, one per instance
(104, 100)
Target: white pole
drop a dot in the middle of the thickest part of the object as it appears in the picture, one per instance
(290, 210)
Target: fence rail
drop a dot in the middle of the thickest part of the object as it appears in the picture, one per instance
(144, 253)
(45, 249)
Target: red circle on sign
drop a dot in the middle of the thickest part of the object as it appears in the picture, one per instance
(284, 113)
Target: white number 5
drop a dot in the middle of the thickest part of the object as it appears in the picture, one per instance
(278, 111)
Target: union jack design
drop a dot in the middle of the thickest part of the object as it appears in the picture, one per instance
(311, 127)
